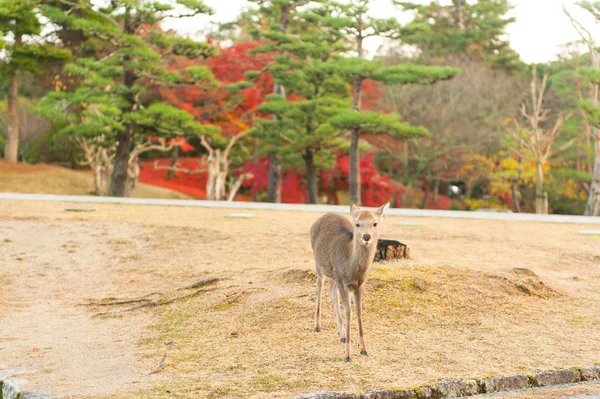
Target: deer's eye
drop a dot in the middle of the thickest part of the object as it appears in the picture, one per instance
(374, 224)
(357, 225)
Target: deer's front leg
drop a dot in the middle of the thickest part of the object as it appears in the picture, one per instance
(361, 336)
(318, 304)
(345, 294)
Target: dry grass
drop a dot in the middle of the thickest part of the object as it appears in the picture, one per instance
(49, 179)
(479, 298)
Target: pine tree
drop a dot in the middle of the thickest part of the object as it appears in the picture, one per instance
(358, 26)
(299, 126)
(112, 100)
(25, 51)
(475, 27)
(279, 14)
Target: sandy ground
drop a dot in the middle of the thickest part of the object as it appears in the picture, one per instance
(50, 269)
(478, 298)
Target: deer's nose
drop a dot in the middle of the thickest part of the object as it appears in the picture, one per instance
(367, 237)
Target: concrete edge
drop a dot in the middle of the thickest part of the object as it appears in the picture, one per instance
(11, 389)
(304, 207)
(470, 387)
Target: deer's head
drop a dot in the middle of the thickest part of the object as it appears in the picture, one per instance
(366, 223)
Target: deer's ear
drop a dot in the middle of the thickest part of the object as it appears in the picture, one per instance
(382, 209)
(354, 211)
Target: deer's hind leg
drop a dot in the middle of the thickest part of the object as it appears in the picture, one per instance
(318, 303)
(361, 336)
(333, 293)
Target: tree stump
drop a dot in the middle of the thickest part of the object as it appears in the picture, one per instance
(391, 249)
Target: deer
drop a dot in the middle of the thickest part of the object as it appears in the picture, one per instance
(344, 252)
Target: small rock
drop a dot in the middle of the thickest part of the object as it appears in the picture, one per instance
(590, 373)
(390, 394)
(506, 383)
(328, 395)
(427, 393)
(558, 377)
(452, 389)
(37, 395)
(7, 240)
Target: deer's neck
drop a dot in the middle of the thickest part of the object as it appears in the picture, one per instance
(362, 257)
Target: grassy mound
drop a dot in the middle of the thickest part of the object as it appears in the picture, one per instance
(50, 179)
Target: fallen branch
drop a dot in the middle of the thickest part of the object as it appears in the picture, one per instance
(201, 283)
(147, 302)
(178, 169)
(152, 304)
(161, 365)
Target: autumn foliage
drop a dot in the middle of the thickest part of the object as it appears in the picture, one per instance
(235, 112)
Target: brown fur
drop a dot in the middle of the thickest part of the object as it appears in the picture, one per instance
(342, 255)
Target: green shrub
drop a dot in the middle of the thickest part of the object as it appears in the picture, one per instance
(54, 147)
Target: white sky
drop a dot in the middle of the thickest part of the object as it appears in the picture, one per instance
(537, 35)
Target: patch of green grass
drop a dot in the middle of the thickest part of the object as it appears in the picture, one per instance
(131, 257)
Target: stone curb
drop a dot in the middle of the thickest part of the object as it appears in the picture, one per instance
(469, 387)
(11, 389)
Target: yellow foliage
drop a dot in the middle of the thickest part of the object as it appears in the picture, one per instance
(474, 203)
(571, 189)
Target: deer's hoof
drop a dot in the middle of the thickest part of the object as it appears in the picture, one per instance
(347, 360)
(364, 353)
(317, 329)
(343, 340)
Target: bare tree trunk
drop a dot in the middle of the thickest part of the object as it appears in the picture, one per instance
(405, 162)
(424, 202)
(274, 184)
(354, 169)
(587, 128)
(171, 171)
(237, 184)
(11, 150)
(311, 177)
(354, 173)
(539, 187)
(593, 204)
(436, 189)
(515, 197)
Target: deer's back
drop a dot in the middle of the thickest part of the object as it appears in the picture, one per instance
(331, 240)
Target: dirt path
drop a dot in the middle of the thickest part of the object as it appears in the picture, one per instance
(50, 268)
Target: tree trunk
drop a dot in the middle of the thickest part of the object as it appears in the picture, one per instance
(436, 189)
(593, 204)
(311, 177)
(539, 188)
(274, 184)
(119, 176)
(118, 180)
(11, 150)
(515, 197)
(354, 169)
(405, 162)
(354, 175)
(174, 156)
(459, 13)
(424, 202)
